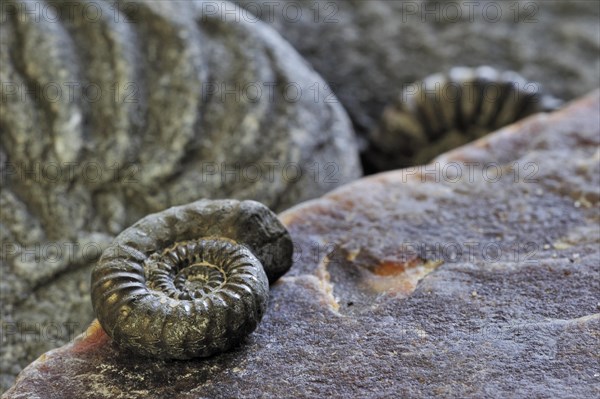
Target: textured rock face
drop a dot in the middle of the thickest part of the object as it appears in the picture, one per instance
(111, 111)
(413, 283)
(369, 50)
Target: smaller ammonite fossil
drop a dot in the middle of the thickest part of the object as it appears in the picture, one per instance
(190, 281)
(444, 111)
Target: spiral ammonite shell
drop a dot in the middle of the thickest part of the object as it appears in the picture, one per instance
(190, 281)
(446, 110)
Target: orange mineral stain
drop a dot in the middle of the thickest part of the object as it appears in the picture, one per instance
(392, 268)
(399, 278)
(92, 337)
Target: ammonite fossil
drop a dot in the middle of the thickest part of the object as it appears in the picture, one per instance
(444, 111)
(190, 281)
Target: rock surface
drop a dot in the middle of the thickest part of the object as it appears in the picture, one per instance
(369, 50)
(113, 110)
(413, 283)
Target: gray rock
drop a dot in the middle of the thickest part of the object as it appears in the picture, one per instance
(413, 283)
(368, 51)
(111, 111)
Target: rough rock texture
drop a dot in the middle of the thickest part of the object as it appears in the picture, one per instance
(413, 283)
(368, 50)
(113, 110)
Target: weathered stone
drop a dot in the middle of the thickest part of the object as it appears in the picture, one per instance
(368, 51)
(111, 111)
(412, 283)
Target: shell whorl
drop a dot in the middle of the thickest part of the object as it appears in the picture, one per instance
(171, 288)
(200, 268)
(446, 110)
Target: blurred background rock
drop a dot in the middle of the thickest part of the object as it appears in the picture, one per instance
(368, 51)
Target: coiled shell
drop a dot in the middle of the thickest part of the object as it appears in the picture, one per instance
(190, 281)
(444, 111)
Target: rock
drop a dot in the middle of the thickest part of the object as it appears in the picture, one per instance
(369, 51)
(113, 111)
(412, 283)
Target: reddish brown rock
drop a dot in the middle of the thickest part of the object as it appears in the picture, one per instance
(413, 283)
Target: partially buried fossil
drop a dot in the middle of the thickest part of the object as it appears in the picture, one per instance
(190, 281)
(444, 111)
